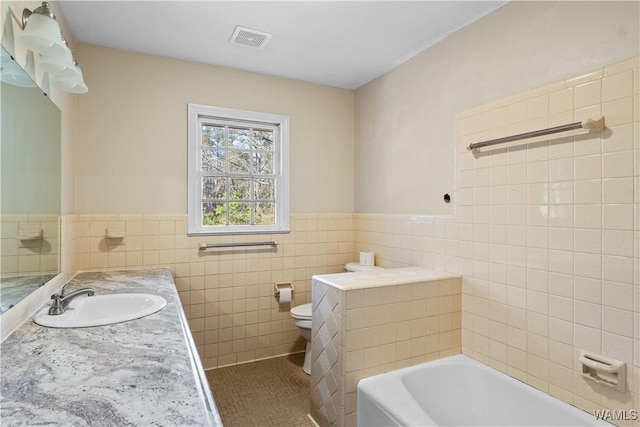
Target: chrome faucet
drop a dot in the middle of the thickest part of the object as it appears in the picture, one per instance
(62, 300)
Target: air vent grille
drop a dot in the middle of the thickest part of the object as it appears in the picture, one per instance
(248, 37)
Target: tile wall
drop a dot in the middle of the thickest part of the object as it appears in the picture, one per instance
(364, 332)
(227, 295)
(24, 257)
(546, 236)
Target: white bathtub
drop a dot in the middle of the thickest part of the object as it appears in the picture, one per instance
(458, 391)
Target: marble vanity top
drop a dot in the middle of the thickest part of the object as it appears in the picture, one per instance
(139, 373)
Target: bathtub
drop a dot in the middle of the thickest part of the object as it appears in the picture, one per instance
(458, 391)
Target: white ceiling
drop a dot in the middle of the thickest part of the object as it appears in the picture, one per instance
(336, 43)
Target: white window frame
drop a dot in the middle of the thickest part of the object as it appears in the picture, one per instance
(194, 179)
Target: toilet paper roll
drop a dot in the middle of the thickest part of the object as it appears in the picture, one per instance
(285, 295)
(367, 258)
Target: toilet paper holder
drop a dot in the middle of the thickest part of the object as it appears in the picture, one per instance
(283, 285)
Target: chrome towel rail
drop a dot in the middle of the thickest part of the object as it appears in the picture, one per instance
(204, 246)
(595, 125)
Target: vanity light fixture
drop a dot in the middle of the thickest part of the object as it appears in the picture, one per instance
(11, 73)
(60, 66)
(41, 32)
(15, 77)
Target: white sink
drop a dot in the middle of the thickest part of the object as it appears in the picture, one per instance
(102, 310)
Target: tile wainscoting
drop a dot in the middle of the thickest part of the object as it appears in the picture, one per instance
(24, 257)
(227, 295)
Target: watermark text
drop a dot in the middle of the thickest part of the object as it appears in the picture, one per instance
(616, 414)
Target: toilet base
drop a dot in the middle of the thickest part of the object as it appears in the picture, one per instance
(306, 366)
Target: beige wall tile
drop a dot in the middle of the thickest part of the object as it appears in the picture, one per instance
(617, 85)
(587, 94)
(241, 284)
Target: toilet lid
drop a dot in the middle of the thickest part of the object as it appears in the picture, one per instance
(302, 311)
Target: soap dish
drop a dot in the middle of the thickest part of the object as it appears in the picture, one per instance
(114, 233)
(604, 370)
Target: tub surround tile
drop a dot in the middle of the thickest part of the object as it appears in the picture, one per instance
(141, 372)
(563, 260)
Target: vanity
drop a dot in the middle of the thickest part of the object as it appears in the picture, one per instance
(139, 372)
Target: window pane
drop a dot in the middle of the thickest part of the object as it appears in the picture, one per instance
(263, 163)
(265, 214)
(240, 189)
(213, 160)
(214, 214)
(236, 179)
(239, 213)
(263, 140)
(213, 136)
(239, 138)
(239, 161)
(264, 189)
(214, 187)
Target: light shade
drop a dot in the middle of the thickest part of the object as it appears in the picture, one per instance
(12, 73)
(42, 35)
(74, 84)
(58, 66)
(15, 76)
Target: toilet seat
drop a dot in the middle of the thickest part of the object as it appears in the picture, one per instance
(301, 312)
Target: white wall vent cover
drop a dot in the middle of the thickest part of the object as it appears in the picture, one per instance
(248, 37)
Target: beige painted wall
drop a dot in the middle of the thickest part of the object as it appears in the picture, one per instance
(132, 132)
(404, 120)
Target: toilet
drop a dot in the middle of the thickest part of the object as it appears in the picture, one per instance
(302, 315)
(302, 318)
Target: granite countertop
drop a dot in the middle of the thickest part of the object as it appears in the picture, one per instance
(144, 372)
(14, 289)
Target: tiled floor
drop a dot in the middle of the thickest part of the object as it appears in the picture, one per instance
(272, 392)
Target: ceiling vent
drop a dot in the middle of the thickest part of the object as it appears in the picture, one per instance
(248, 37)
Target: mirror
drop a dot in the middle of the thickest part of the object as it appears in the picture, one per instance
(30, 185)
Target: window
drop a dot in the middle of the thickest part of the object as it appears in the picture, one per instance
(238, 171)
